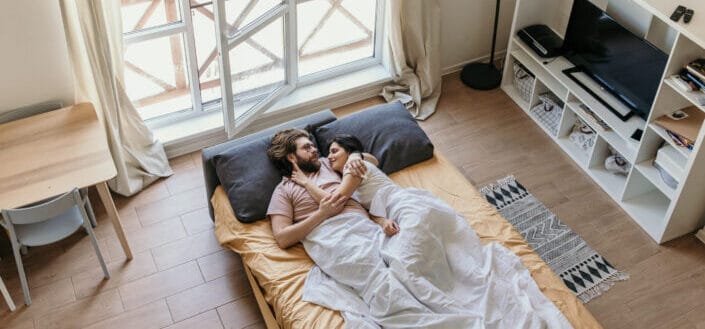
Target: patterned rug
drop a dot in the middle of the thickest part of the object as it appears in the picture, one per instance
(582, 269)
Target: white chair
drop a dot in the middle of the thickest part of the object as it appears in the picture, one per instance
(47, 223)
(6, 294)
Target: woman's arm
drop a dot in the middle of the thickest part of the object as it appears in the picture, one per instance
(347, 186)
(389, 227)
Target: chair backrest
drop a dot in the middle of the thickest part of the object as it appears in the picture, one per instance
(43, 211)
(28, 111)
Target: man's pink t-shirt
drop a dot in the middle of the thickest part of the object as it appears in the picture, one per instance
(290, 198)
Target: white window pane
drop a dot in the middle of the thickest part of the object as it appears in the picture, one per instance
(239, 13)
(259, 61)
(142, 14)
(206, 53)
(156, 77)
(334, 33)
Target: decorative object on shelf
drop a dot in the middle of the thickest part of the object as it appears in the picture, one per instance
(592, 117)
(616, 163)
(683, 125)
(583, 136)
(671, 163)
(667, 179)
(523, 81)
(548, 111)
(580, 267)
(483, 76)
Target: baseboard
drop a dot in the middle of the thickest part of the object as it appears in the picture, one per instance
(457, 67)
(701, 235)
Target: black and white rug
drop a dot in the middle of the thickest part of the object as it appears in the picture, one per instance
(582, 269)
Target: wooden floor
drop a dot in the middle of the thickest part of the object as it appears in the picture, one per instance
(181, 278)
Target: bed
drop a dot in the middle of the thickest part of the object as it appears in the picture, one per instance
(277, 276)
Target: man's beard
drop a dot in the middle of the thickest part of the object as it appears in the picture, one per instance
(308, 166)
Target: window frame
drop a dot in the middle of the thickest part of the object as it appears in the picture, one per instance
(185, 28)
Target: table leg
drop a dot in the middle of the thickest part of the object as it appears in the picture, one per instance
(104, 193)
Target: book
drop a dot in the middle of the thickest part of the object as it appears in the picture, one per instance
(697, 68)
(695, 80)
(684, 123)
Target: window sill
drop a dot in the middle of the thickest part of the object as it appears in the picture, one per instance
(207, 130)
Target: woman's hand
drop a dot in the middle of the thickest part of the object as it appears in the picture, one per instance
(356, 165)
(298, 176)
(390, 227)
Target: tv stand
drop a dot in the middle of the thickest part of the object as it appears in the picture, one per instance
(663, 212)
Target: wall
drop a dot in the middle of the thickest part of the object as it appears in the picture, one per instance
(34, 61)
(466, 30)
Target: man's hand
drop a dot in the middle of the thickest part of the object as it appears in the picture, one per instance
(390, 227)
(298, 176)
(356, 165)
(332, 205)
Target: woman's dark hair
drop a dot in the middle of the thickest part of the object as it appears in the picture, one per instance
(349, 143)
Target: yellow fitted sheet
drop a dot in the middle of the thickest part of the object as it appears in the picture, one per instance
(282, 273)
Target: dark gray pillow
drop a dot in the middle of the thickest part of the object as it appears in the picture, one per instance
(386, 131)
(248, 177)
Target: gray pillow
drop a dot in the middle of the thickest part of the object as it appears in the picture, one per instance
(248, 177)
(386, 131)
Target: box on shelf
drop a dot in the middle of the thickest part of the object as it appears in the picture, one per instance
(683, 125)
(672, 161)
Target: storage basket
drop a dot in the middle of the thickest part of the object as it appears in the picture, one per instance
(523, 81)
(548, 111)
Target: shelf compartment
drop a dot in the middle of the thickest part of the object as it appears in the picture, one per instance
(612, 183)
(548, 120)
(580, 156)
(664, 135)
(626, 148)
(652, 174)
(691, 96)
(646, 204)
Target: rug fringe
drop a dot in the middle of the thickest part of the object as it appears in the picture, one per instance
(603, 286)
(502, 182)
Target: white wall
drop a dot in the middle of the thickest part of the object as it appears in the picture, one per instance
(34, 63)
(466, 30)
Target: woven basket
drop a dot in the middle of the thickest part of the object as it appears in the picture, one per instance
(523, 81)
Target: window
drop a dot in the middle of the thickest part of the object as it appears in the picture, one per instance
(172, 67)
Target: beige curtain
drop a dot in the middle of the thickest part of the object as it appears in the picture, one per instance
(414, 41)
(93, 34)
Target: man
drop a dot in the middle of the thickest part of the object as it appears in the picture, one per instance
(292, 210)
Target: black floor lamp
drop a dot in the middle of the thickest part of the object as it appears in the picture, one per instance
(480, 75)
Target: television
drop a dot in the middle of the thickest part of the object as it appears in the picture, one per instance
(627, 66)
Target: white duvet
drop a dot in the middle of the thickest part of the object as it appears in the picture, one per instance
(434, 273)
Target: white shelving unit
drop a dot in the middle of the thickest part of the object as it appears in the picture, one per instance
(662, 211)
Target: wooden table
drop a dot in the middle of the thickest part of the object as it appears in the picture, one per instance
(51, 153)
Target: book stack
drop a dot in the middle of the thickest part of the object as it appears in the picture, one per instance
(694, 74)
(683, 125)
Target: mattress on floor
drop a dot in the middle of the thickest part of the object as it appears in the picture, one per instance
(281, 273)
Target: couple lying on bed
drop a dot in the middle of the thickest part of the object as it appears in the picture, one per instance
(425, 268)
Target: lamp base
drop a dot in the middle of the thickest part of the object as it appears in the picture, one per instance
(481, 76)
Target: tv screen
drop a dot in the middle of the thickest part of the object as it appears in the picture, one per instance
(625, 64)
